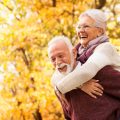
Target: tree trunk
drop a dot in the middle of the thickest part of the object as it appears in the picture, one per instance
(37, 115)
(54, 3)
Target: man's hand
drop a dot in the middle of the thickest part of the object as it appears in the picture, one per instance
(92, 88)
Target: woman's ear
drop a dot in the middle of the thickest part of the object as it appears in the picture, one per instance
(74, 50)
(100, 32)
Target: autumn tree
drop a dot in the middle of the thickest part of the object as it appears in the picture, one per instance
(26, 27)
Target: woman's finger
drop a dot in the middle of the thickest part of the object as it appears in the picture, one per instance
(98, 90)
(92, 95)
(99, 93)
(99, 86)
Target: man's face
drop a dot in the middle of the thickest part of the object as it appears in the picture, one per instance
(86, 30)
(61, 57)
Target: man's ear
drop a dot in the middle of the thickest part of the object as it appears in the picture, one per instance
(74, 53)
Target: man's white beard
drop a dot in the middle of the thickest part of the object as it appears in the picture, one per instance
(69, 68)
(57, 76)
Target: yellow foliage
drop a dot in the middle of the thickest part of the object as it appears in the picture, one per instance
(26, 27)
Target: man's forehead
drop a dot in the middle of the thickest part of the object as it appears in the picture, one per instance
(57, 49)
(58, 46)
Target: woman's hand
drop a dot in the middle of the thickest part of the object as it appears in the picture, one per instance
(92, 88)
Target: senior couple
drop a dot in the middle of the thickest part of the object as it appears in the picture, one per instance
(87, 77)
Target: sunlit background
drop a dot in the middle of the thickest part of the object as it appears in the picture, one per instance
(26, 26)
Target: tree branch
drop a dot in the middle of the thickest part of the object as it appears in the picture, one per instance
(24, 56)
(99, 4)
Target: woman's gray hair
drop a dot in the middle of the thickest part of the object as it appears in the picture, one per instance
(57, 39)
(98, 16)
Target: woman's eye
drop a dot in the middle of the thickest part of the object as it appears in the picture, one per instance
(86, 26)
(83, 26)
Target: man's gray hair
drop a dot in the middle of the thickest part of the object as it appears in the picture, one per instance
(57, 39)
(98, 16)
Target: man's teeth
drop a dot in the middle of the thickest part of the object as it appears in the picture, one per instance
(59, 67)
(83, 37)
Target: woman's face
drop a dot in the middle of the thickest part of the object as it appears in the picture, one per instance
(86, 30)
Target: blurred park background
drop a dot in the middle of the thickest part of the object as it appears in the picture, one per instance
(26, 26)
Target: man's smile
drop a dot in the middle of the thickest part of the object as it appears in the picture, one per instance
(62, 69)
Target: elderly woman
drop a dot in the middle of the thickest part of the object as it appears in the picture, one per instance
(98, 57)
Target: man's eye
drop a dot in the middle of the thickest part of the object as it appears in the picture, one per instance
(52, 59)
(60, 56)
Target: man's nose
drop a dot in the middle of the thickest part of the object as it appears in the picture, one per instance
(58, 61)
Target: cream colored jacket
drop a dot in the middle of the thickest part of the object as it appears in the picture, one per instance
(104, 54)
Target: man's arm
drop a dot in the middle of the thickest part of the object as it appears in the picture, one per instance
(63, 102)
(102, 56)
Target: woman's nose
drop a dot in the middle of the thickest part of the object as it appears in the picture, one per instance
(80, 29)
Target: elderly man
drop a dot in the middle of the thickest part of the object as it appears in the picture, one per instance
(77, 105)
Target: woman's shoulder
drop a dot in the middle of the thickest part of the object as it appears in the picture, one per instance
(107, 46)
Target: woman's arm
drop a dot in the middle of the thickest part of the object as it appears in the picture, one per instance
(103, 55)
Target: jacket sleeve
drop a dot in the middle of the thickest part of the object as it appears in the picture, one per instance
(103, 55)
